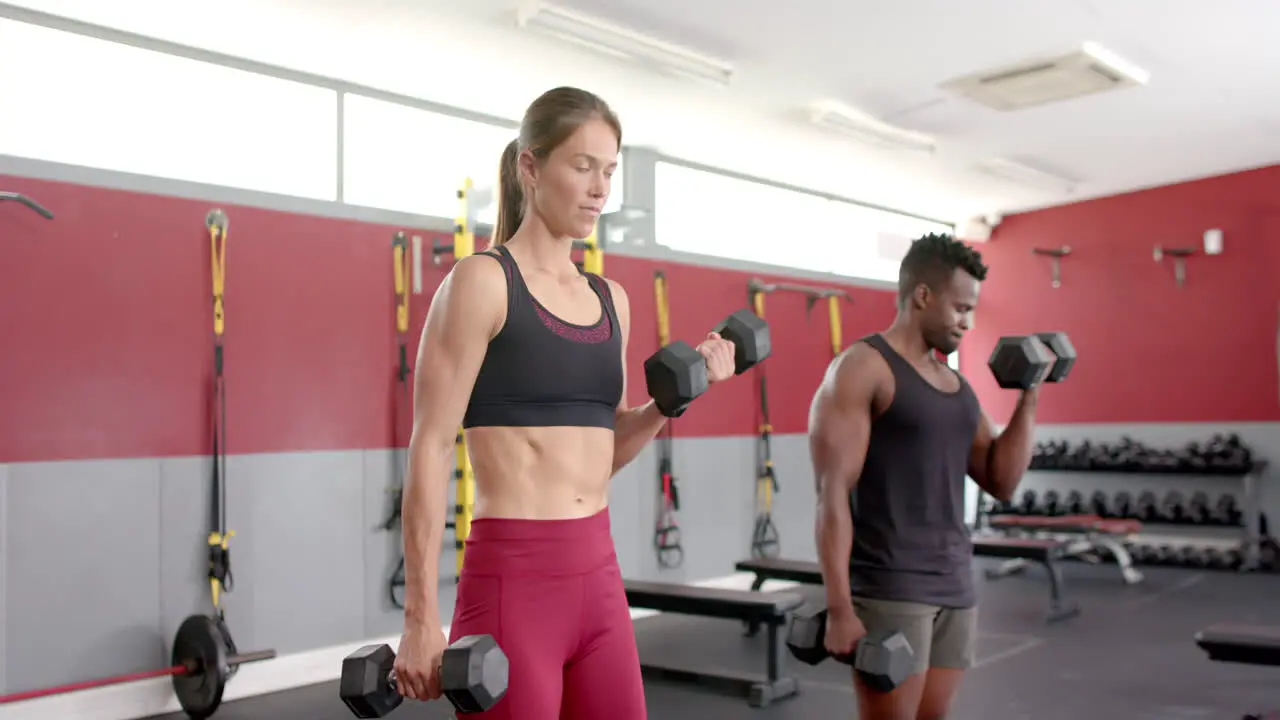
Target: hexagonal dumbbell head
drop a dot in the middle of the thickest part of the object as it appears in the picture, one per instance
(365, 686)
(474, 673)
(749, 334)
(884, 660)
(1061, 346)
(674, 377)
(806, 634)
(1020, 361)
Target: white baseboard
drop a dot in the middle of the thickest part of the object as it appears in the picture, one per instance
(155, 697)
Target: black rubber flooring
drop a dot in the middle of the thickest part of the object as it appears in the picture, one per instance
(1128, 656)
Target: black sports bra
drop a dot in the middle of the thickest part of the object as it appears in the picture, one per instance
(541, 371)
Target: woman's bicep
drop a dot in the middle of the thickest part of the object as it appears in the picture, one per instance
(622, 308)
(464, 315)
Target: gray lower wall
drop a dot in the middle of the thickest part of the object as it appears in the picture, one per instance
(100, 560)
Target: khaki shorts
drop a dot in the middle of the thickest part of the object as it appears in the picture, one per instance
(940, 637)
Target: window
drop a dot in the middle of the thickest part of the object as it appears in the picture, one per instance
(403, 158)
(95, 103)
(711, 214)
(875, 241)
(780, 227)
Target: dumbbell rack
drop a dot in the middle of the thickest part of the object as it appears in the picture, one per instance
(1249, 530)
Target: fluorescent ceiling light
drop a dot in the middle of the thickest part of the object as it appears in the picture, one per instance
(1027, 175)
(867, 129)
(606, 37)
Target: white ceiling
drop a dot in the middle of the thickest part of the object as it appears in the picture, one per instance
(1205, 111)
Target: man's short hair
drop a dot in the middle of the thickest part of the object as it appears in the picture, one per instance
(933, 260)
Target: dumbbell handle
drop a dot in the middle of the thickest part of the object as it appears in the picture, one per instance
(391, 676)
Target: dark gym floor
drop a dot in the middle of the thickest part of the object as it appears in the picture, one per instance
(1128, 656)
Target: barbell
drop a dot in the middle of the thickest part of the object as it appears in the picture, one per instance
(202, 664)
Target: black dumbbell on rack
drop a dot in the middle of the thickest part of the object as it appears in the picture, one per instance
(1028, 503)
(1193, 556)
(1098, 504)
(1147, 507)
(1122, 505)
(1226, 512)
(1074, 503)
(1052, 503)
(1143, 554)
(1197, 509)
(1171, 507)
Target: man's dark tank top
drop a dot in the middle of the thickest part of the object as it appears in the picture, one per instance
(910, 542)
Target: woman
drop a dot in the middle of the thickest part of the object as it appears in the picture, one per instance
(527, 353)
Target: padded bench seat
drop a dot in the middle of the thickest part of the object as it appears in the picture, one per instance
(1249, 644)
(1037, 549)
(771, 610)
(710, 602)
(805, 572)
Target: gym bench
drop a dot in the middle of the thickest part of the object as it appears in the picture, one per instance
(1046, 552)
(769, 609)
(804, 572)
(1091, 538)
(1248, 644)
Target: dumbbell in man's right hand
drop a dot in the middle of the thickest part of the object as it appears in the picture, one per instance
(843, 632)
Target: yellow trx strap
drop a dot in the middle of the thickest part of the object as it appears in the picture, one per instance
(400, 266)
(592, 252)
(765, 541)
(464, 237)
(400, 271)
(220, 578)
(464, 244)
(833, 319)
(666, 536)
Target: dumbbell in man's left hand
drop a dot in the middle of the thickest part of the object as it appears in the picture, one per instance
(718, 353)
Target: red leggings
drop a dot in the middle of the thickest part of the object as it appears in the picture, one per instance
(550, 592)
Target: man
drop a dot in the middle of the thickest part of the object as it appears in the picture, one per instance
(893, 432)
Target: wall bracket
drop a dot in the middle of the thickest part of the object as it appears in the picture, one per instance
(1179, 255)
(1057, 254)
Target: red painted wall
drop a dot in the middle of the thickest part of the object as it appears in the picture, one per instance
(1149, 350)
(106, 318)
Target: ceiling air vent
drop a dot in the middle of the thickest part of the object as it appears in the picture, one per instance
(1091, 69)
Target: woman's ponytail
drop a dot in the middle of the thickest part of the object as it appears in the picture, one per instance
(510, 194)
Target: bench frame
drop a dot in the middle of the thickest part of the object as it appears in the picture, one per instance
(1059, 607)
(759, 690)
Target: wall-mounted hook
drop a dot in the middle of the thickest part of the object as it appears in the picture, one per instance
(1179, 255)
(1057, 254)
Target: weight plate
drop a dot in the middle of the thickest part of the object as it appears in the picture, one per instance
(199, 646)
